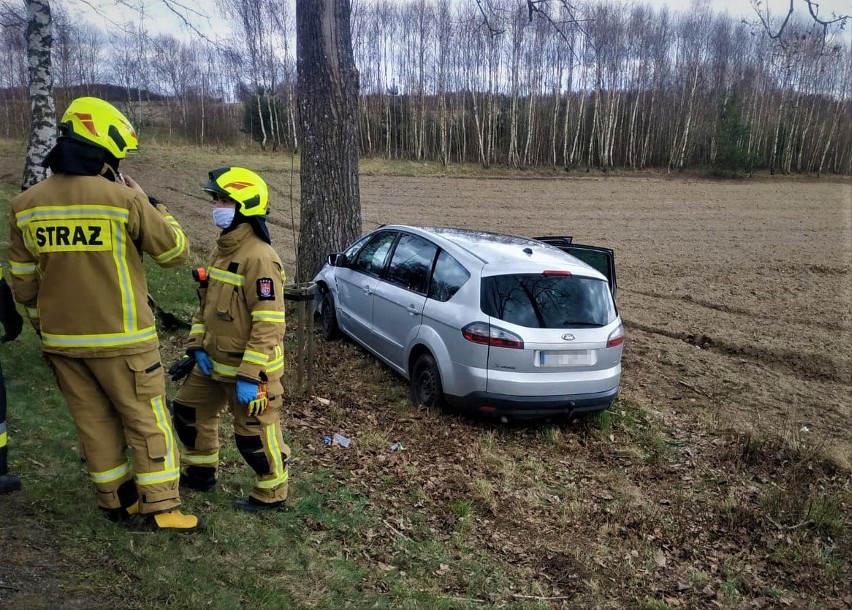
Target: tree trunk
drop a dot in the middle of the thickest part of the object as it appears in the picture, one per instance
(688, 125)
(43, 117)
(565, 126)
(834, 123)
(260, 119)
(480, 137)
(530, 130)
(575, 147)
(328, 115)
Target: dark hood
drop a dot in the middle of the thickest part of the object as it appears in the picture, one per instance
(258, 225)
(73, 157)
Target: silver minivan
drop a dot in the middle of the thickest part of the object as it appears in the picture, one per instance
(499, 324)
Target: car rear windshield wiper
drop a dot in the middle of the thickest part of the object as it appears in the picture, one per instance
(568, 323)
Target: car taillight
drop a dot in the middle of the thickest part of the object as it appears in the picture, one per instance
(616, 337)
(485, 334)
(557, 273)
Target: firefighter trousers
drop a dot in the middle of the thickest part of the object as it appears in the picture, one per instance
(197, 407)
(116, 402)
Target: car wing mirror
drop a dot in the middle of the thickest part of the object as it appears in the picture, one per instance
(338, 259)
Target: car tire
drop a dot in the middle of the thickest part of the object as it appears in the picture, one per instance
(328, 317)
(425, 384)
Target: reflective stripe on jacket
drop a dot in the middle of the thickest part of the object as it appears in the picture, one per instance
(240, 322)
(76, 245)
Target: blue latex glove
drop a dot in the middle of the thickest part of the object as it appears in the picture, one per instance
(203, 361)
(246, 391)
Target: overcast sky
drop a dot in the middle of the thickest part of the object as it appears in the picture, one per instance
(743, 7)
(205, 18)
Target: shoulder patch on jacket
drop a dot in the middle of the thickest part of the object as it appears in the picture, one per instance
(265, 289)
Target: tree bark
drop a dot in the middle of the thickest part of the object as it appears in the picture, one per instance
(43, 116)
(328, 121)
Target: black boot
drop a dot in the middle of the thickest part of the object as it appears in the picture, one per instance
(9, 483)
(253, 505)
(128, 496)
(199, 478)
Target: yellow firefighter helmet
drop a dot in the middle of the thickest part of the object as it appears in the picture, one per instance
(94, 121)
(240, 185)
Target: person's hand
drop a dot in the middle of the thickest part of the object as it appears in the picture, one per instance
(246, 391)
(203, 361)
(181, 368)
(9, 317)
(133, 184)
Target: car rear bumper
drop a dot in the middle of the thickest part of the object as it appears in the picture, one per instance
(526, 407)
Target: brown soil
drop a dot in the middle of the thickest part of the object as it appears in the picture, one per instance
(738, 305)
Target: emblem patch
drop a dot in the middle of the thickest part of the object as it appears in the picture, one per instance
(265, 290)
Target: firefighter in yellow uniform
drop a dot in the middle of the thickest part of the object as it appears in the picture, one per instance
(237, 342)
(12, 324)
(76, 245)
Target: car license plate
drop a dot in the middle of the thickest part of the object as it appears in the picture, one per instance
(565, 358)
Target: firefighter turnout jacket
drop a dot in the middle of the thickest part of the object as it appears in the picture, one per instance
(76, 263)
(240, 322)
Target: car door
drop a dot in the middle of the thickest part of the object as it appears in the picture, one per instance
(596, 257)
(356, 284)
(400, 296)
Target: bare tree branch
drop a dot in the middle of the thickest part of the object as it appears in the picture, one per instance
(761, 9)
(181, 10)
(171, 4)
(540, 8)
(11, 16)
(486, 22)
(813, 9)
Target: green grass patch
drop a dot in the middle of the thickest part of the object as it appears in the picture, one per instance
(314, 555)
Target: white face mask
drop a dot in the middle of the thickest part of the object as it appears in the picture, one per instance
(223, 217)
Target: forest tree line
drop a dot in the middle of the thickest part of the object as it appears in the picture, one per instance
(620, 86)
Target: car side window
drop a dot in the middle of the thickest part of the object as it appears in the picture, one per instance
(371, 258)
(352, 250)
(411, 263)
(448, 278)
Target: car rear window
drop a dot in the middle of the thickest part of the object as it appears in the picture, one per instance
(540, 301)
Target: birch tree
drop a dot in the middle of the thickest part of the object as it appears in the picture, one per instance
(43, 119)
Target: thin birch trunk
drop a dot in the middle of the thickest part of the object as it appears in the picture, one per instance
(580, 122)
(479, 131)
(43, 117)
(689, 116)
(834, 123)
(260, 120)
(565, 129)
(530, 129)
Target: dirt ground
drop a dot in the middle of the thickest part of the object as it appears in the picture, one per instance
(737, 299)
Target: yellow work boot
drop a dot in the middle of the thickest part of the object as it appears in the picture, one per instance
(175, 520)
